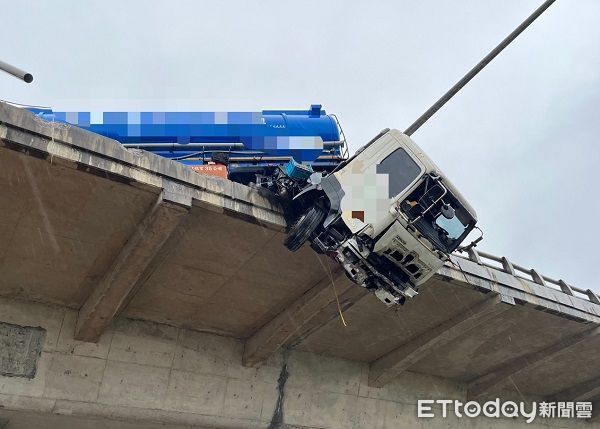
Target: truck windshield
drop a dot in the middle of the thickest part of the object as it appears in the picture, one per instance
(423, 208)
(453, 227)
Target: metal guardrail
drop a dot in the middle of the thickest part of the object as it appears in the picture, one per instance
(529, 274)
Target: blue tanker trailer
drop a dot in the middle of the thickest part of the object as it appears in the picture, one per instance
(254, 146)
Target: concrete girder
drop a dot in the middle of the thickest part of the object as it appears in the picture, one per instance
(313, 309)
(585, 391)
(389, 366)
(130, 266)
(595, 411)
(483, 384)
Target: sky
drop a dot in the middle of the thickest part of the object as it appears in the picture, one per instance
(521, 141)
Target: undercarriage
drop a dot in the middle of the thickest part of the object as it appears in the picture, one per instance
(363, 266)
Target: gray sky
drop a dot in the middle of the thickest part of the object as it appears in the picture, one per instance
(521, 141)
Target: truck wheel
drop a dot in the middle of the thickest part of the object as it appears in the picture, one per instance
(304, 227)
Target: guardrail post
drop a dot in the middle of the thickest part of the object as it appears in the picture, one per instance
(537, 278)
(474, 256)
(593, 296)
(508, 266)
(565, 287)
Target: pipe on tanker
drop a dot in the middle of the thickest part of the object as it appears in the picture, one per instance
(16, 72)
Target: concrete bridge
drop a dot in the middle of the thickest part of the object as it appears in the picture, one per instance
(134, 292)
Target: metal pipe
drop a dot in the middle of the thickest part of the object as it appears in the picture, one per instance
(523, 269)
(16, 72)
(489, 256)
(184, 146)
(178, 146)
(471, 74)
(267, 158)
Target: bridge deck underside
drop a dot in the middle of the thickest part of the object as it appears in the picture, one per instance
(61, 228)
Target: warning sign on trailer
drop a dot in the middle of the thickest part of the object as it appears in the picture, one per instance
(218, 170)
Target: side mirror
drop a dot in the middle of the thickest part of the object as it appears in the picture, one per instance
(448, 211)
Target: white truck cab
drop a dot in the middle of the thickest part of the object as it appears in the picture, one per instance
(388, 215)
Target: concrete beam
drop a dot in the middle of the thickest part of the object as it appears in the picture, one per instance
(595, 411)
(129, 267)
(308, 313)
(347, 299)
(517, 366)
(589, 389)
(389, 366)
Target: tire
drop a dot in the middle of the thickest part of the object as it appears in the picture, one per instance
(304, 227)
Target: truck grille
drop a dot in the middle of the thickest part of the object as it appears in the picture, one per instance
(407, 261)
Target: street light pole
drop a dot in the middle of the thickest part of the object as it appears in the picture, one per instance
(16, 72)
